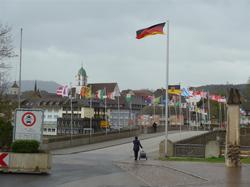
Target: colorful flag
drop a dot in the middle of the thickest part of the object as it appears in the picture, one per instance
(65, 91)
(200, 94)
(128, 97)
(85, 92)
(174, 89)
(100, 94)
(157, 100)
(222, 100)
(111, 95)
(174, 92)
(185, 92)
(153, 30)
(62, 91)
(149, 99)
(217, 98)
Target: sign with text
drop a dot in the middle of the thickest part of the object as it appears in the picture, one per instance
(28, 124)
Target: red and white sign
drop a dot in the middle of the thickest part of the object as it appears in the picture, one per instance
(28, 119)
(28, 124)
(4, 160)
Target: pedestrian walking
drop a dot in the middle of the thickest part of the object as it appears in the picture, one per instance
(136, 147)
(155, 127)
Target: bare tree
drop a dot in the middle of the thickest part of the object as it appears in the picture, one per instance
(6, 49)
(6, 52)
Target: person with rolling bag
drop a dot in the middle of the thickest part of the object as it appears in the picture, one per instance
(136, 147)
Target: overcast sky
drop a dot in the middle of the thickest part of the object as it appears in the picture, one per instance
(209, 41)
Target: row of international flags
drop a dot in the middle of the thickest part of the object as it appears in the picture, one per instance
(190, 95)
(85, 92)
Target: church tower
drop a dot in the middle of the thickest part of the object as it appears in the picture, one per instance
(82, 77)
(14, 90)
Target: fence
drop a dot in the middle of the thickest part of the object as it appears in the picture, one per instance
(189, 150)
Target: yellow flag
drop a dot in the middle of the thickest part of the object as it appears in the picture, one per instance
(174, 91)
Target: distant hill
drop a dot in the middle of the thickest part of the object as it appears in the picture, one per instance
(221, 89)
(49, 86)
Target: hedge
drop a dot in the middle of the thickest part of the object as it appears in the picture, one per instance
(5, 133)
(25, 146)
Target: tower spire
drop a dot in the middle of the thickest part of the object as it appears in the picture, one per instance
(35, 87)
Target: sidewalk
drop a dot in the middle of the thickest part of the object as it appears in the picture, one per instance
(189, 174)
(90, 147)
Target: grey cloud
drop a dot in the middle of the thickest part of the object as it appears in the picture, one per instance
(62, 34)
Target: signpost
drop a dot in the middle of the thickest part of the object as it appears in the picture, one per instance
(28, 124)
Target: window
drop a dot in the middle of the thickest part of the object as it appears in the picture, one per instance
(44, 129)
(49, 116)
(53, 130)
(49, 129)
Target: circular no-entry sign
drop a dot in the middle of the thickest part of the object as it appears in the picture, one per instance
(28, 119)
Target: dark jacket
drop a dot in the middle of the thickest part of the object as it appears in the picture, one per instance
(137, 145)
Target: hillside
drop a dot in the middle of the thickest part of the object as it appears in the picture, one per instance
(222, 89)
(49, 86)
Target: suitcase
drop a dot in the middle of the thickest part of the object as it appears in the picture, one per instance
(143, 155)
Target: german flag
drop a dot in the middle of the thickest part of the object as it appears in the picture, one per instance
(155, 29)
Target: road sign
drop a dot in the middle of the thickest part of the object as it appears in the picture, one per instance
(4, 160)
(28, 124)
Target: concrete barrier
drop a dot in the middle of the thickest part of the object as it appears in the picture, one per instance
(26, 162)
(170, 147)
(60, 142)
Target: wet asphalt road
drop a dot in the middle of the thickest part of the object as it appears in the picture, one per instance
(92, 168)
(114, 167)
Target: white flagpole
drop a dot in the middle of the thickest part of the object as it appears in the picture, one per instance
(180, 113)
(90, 105)
(130, 118)
(154, 109)
(118, 106)
(203, 109)
(220, 117)
(20, 70)
(166, 103)
(208, 102)
(105, 111)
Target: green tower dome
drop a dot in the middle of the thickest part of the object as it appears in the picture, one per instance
(82, 72)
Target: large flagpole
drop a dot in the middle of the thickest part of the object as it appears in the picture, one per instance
(118, 106)
(208, 103)
(20, 70)
(180, 113)
(166, 103)
(105, 113)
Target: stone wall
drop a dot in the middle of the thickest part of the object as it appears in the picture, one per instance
(60, 142)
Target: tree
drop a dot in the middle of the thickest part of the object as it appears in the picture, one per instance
(6, 52)
(6, 49)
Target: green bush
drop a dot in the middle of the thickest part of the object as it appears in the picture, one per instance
(5, 133)
(25, 146)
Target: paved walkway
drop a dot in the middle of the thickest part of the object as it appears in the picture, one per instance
(189, 174)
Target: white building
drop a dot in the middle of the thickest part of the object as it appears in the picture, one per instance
(50, 120)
